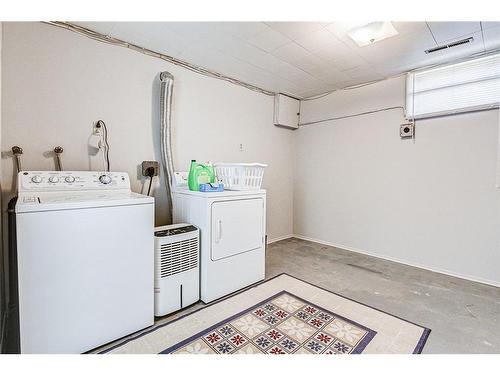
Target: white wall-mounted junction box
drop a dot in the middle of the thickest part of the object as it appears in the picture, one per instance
(286, 111)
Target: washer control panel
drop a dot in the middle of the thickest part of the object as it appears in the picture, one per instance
(69, 180)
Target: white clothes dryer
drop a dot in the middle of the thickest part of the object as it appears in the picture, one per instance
(232, 231)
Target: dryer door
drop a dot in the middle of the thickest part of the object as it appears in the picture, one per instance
(237, 227)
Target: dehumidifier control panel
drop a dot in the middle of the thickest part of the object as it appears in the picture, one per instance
(175, 231)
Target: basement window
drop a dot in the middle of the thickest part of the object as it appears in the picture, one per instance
(463, 87)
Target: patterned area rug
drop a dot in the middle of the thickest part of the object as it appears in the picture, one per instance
(282, 315)
(281, 324)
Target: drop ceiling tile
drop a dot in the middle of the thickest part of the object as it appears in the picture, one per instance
(492, 38)
(190, 30)
(335, 77)
(268, 39)
(254, 75)
(288, 71)
(349, 62)
(391, 68)
(364, 75)
(396, 48)
(309, 83)
(317, 40)
(247, 52)
(242, 30)
(223, 42)
(257, 57)
(359, 71)
(268, 62)
(308, 62)
(285, 70)
(443, 31)
(214, 60)
(340, 29)
(335, 52)
(315, 66)
(295, 30)
(409, 27)
(291, 52)
(296, 75)
(488, 25)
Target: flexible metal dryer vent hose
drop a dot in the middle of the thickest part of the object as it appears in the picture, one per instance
(166, 88)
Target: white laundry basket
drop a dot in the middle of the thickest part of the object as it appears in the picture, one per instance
(240, 176)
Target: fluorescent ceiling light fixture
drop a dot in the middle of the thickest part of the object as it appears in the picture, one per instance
(372, 32)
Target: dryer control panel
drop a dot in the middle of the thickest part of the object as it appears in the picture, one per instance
(71, 180)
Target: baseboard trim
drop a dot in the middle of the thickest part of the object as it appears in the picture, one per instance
(397, 260)
(280, 238)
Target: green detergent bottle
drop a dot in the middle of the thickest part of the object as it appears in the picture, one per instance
(200, 174)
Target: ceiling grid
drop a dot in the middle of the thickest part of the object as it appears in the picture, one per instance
(302, 59)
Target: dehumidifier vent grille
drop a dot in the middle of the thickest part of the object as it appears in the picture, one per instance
(178, 257)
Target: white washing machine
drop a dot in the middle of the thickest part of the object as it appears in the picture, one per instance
(232, 231)
(85, 256)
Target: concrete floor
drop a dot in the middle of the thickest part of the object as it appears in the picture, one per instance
(464, 316)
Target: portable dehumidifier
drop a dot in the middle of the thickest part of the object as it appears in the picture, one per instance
(177, 267)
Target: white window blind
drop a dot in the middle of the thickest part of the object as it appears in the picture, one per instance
(466, 86)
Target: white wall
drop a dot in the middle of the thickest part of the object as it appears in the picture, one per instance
(56, 83)
(432, 203)
(2, 255)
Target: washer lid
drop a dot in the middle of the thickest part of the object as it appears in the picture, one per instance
(51, 201)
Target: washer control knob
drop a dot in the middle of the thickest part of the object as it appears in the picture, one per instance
(36, 179)
(53, 179)
(69, 179)
(105, 179)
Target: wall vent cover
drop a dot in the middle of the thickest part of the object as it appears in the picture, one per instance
(450, 45)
